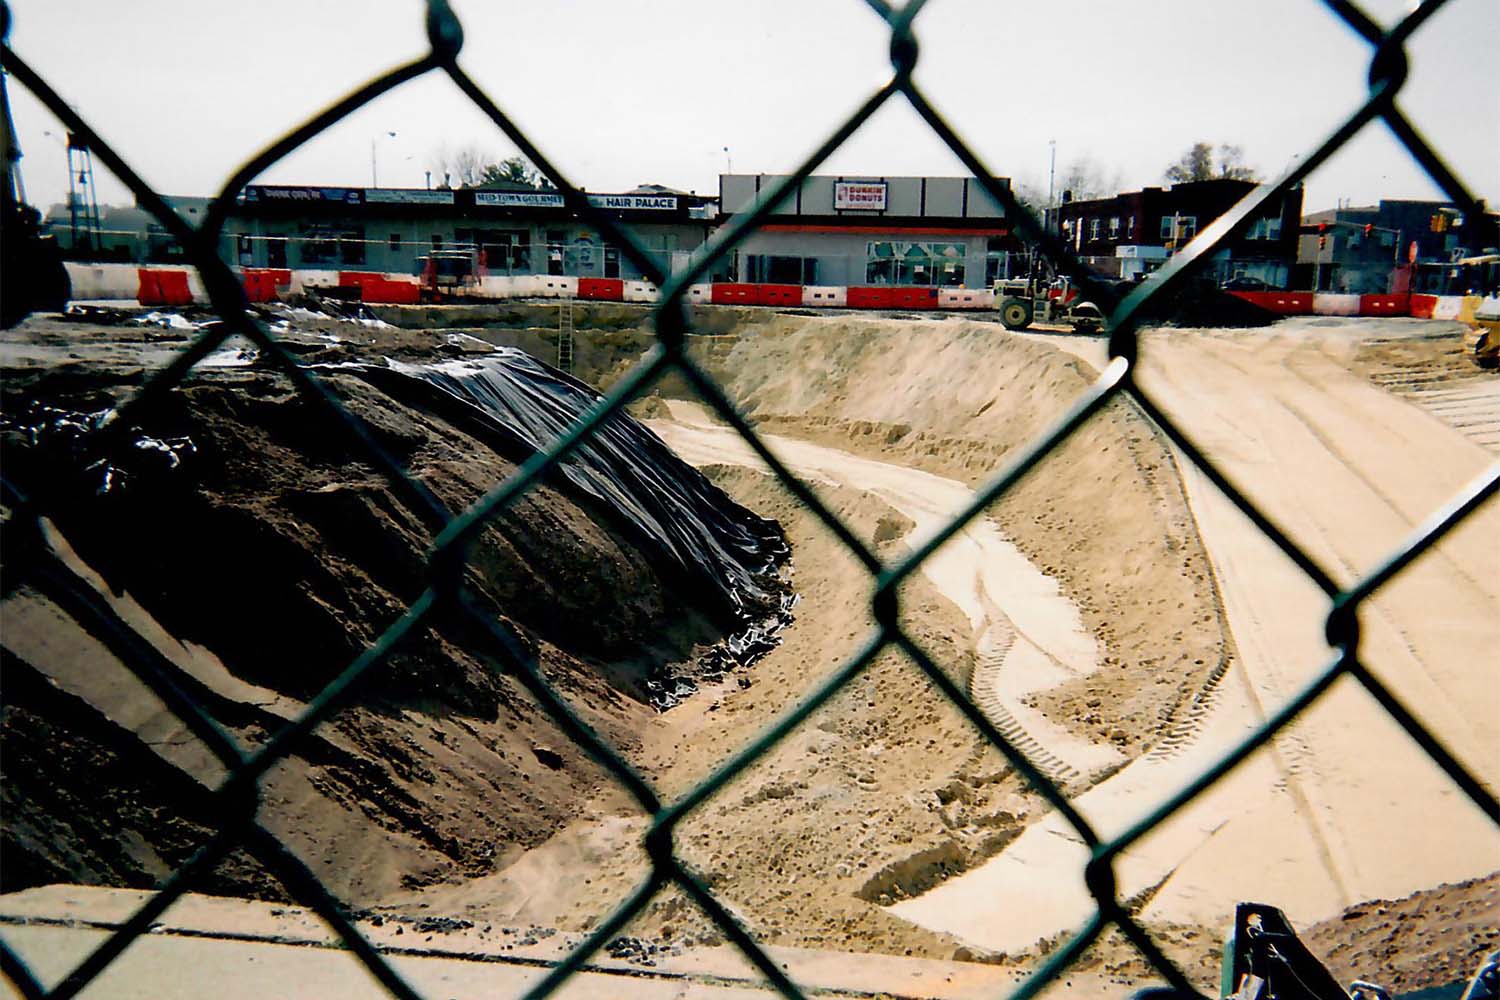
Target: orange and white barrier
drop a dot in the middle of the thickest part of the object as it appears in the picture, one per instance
(165, 285)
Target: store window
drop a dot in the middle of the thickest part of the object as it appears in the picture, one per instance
(337, 243)
(880, 264)
(920, 264)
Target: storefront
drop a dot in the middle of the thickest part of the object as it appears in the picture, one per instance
(936, 232)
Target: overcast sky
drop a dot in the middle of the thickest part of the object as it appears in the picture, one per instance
(621, 93)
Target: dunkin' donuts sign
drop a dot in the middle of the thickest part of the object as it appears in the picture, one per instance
(868, 195)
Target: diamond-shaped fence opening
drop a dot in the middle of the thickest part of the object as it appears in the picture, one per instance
(31, 561)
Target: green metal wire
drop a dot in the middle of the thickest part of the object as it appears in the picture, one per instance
(452, 534)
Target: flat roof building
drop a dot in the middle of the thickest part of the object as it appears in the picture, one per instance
(512, 229)
(1133, 233)
(945, 232)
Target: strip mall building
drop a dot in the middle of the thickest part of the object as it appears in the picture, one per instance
(938, 232)
(516, 231)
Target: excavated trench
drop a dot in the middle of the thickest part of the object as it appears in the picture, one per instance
(1081, 612)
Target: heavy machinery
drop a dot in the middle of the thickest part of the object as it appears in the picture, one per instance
(1264, 959)
(1045, 298)
(32, 276)
(1477, 280)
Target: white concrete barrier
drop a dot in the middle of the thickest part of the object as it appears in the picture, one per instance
(304, 279)
(195, 286)
(102, 281)
(641, 291)
(700, 294)
(966, 298)
(1329, 304)
(498, 286)
(553, 286)
(826, 296)
(1448, 307)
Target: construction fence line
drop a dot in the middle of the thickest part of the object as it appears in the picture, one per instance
(236, 799)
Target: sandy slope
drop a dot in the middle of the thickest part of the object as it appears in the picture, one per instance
(1344, 807)
(1028, 635)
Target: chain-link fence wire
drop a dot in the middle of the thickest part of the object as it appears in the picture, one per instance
(29, 559)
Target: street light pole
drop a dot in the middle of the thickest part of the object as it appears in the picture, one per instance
(728, 161)
(374, 175)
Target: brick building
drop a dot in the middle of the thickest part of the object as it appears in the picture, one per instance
(1135, 232)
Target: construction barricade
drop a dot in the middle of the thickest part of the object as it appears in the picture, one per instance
(825, 296)
(1329, 304)
(601, 289)
(778, 295)
(876, 297)
(163, 287)
(965, 298)
(641, 291)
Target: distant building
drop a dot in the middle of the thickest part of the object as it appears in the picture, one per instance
(1350, 259)
(126, 232)
(1134, 233)
(944, 232)
(511, 228)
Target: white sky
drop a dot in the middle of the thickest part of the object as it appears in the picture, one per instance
(622, 93)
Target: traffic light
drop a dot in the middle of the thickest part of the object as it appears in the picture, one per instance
(1322, 242)
(1369, 228)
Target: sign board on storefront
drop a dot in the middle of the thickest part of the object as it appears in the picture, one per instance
(635, 202)
(617, 202)
(407, 196)
(866, 195)
(256, 193)
(518, 199)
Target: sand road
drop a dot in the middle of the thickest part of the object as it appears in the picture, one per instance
(1027, 634)
(1343, 807)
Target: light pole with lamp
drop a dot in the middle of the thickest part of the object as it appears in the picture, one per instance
(374, 175)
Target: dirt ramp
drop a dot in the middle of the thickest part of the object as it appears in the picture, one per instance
(1104, 514)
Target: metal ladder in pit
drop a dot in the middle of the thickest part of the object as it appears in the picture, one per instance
(565, 335)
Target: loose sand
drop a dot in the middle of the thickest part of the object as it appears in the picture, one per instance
(1112, 613)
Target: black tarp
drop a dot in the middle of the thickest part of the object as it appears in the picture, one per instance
(687, 526)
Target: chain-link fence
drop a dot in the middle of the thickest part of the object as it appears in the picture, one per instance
(29, 560)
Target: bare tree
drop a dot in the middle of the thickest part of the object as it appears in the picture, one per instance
(1232, 164)
(1086, 179)
(460, 168)
(1197, 164)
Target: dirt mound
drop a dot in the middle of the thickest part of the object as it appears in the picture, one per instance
(260, 562)
(1430, 938)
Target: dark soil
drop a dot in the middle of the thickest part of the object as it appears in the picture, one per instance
(268, 540)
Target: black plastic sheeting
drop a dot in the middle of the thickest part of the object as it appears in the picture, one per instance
(729, 557)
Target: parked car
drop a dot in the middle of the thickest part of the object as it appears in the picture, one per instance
(1245, 283)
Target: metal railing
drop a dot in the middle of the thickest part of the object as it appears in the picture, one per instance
(236, 799)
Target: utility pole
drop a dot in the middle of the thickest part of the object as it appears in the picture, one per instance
(374, 176)
(1051, 181)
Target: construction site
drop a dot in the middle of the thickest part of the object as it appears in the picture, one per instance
(1114, 616)
(913, 586)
